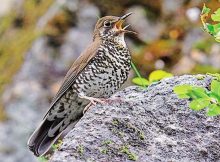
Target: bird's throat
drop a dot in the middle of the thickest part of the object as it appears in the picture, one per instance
(119, 39)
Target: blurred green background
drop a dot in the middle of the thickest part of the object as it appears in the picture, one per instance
(39, 40)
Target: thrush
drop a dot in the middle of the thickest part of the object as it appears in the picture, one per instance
(98, 72)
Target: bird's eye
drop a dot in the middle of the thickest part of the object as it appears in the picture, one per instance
(107, 24)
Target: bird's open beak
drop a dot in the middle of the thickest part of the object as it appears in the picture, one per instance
(119, 23)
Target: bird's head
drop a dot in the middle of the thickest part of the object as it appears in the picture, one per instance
(109, 27)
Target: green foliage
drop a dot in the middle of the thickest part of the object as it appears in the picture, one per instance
(205, 10)
(216, 76)
(213, 110)
(201, 98)
(158, 75)
(182, 90)
(198, 104)
(212, 29)
(216, 15)
(215, 89)
(153, 77)
(141, 81)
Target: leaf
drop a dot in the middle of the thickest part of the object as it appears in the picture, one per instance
(213, 97)
(182, 90)
(215, 87)
(216, 15)
(216, 76)
(140, 81)
(198, 92)
(199, 104)
(217, 37)
(210, 28)
(213, 110)
(205, 10)
(216, 28)
(158, 75)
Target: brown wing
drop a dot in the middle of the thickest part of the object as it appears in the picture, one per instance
(80, 63)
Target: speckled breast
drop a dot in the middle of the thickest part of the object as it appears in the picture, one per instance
(106, 72)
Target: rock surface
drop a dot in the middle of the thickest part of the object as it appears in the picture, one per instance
(146, 125)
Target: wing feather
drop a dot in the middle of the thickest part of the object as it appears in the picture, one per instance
(80, 63)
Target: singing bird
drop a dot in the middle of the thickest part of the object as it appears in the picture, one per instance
(98, 72)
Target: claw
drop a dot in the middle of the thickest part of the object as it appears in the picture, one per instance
(87, 108)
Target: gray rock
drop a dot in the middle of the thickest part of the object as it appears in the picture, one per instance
(146, 125)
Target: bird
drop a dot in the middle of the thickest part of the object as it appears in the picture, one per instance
(96, 75)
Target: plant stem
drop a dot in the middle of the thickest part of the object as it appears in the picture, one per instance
(137, 73)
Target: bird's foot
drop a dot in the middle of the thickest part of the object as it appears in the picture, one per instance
(94, 100)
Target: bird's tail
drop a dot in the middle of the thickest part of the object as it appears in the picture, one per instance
(44, 136)
(61, 115)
